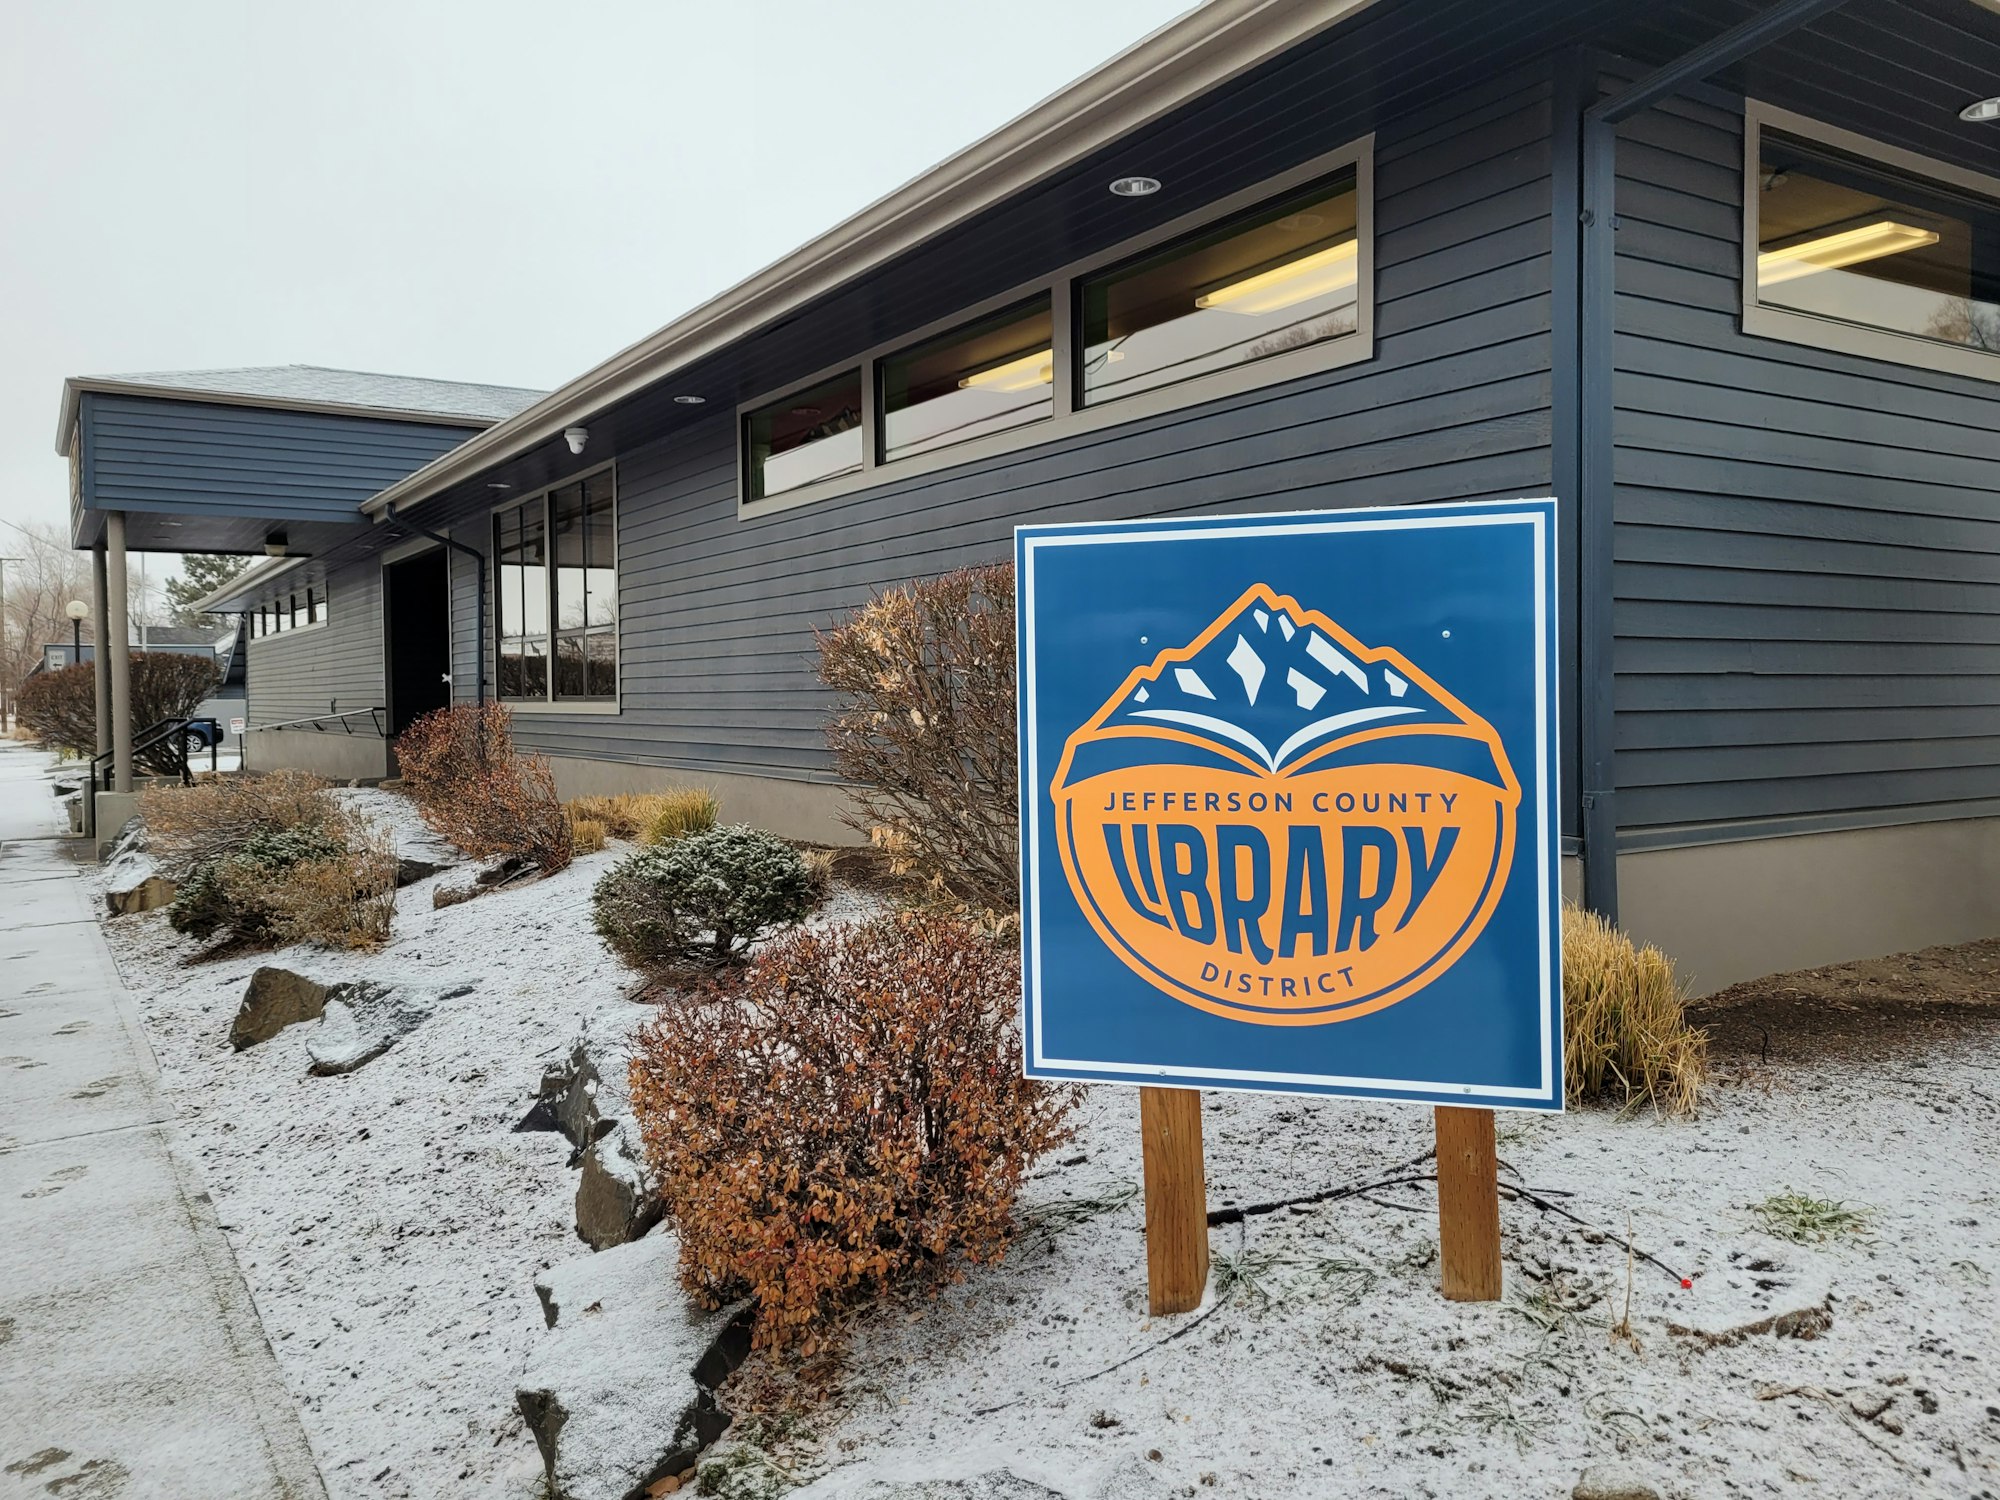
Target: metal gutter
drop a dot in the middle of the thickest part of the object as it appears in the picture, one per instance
(1596, 407)
(1187, 57)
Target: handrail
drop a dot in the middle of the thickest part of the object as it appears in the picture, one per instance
(172, 731)
(318, 724)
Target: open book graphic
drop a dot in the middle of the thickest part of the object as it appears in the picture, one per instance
(1275, 684)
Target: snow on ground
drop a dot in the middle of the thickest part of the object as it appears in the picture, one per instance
(390, 1224)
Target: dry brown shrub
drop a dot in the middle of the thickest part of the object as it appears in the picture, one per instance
(348, 901)
(190, 826)
(848, 1114)
(460, 767)
(926, 729)
(61, 706)
(819, 865)
(587, 835)
(624, 816)
(1625, 1027)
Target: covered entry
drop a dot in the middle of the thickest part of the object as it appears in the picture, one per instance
(416, 620)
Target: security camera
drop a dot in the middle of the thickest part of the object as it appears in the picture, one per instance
(576, 437)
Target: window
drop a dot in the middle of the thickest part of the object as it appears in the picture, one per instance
(1266, 285)
(988, 376)
(312, 607)
(1856, 246)
(807, 437)
(555, 597)
(1279, 279)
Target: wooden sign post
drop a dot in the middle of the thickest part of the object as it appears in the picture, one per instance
(1468, 1205)
(1176, 1198)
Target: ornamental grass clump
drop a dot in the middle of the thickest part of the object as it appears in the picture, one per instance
(678, 813)
(472, 787)
(702, 900)
(925, 730)
(1625, 1029)
(846, 1115)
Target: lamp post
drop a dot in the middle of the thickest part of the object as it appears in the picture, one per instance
(76, 609)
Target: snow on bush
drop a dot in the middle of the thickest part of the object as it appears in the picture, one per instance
(460, 767)
(702, 899)
(926, 732)
(848, 1114)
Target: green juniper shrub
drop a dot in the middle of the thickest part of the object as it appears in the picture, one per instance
(702, 899)
(233, 895)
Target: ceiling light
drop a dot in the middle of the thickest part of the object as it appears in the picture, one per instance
(275, 544)
(1022, 374)
(498, 484)
(1135, 187)
(1845, 247)
(1981, 111)
(1328, 270)
(690, 400)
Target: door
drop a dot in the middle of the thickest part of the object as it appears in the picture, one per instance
(417, 637)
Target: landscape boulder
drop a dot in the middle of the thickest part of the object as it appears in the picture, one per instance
(410, 869)
(364, 1018)
(615, 1200)
(276, 998)
(133, 883)
(584, 1092)
(621, 1391)
(1612, 1482)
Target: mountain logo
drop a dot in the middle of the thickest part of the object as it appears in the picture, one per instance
(1280, 825)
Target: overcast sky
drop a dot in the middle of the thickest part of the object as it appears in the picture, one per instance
(488, 190)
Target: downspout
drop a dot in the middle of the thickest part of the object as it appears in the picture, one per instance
(479, 607)
(1597, 363)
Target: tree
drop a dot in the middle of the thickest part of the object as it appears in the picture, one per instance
(202, 573)
(43, 575)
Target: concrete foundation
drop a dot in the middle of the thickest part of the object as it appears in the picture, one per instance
(1735, 911)
(328, 753)
(808, 810)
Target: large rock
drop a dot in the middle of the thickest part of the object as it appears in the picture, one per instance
(583, 1093)
(276, 998)
(1612, 1482)
(621, 1391)
(409, 869)
(364, 1018)
(615, 1201)
(133, 883)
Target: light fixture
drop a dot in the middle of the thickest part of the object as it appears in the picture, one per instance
(1981, 111)
(1844, 247)
(498, 484)
(1328, 270)
(1135, 187)
(1022, 374)
(274, 544)
(76, 609)
(576, 437)
(690, 400)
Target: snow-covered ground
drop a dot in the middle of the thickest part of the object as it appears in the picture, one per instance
(390, 1223)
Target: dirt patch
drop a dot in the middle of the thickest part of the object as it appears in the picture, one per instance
(1871, 1007)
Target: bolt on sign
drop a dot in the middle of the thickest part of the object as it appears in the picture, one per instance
(1289, 822)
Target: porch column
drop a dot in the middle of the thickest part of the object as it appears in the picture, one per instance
(117, 644)
(100, 656)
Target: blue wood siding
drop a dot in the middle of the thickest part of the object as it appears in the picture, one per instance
(193, 457)
(1808, 543)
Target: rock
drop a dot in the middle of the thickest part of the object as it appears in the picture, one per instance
(1611, 1482)
(133, 883)
(276, 998)
(409, 870)
(501, 873)
(363, 1019)
(615, 1201)
(130, 839)
(621, 1392)
(579, 1097)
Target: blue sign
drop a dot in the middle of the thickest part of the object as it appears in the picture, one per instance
(1288, 803)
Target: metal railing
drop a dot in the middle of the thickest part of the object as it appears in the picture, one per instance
(170, 732)
(377, 718)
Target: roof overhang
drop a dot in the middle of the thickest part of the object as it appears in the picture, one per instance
(233, 595)
(74, 387)
(1188, 56)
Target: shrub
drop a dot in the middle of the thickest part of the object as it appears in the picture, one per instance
(586, 835)
(460, 767)
(677, 814)
(926, 729)
(236, 894)
(61, 706)
(701, 900)
(342, 900)
(819, 865)
(188, 827)
(624, 816)
(1625, 1028)
(849, 1115)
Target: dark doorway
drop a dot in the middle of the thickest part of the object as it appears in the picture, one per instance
(417, 616)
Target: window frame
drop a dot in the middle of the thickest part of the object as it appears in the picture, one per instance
(1070, 416)
(1792, 326)
(277, 619)
(549, 703)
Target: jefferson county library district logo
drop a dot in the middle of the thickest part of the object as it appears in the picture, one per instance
(1288, 802)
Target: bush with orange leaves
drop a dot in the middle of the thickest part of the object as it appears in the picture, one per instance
(460, 767)
(847, 1113)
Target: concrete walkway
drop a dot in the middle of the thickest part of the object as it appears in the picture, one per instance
(132, 1363)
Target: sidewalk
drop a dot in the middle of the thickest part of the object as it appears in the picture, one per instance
(132, 1363)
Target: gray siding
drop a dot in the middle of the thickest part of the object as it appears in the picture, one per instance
(146, 454)
(718, 613)
(1808, 544)
(332, 668)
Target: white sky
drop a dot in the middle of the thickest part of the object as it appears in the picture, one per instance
(489, 190)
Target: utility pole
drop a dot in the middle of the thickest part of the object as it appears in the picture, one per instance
(6, 661)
